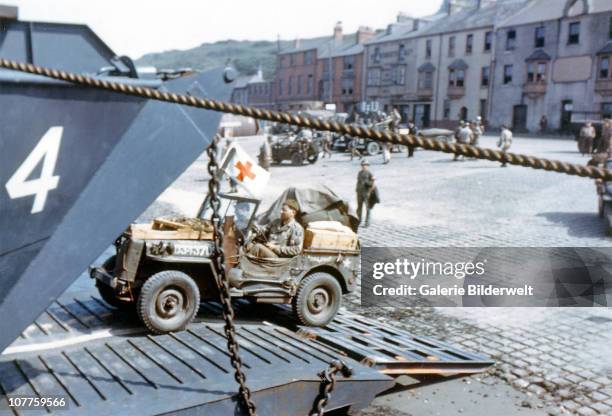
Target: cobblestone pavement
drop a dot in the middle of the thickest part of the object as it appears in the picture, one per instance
(561, 358)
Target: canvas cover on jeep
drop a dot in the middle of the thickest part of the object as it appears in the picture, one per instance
(317, 203)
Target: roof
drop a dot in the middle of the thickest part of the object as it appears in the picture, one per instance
(606, 49)
(467, 19)
(244, 80)
(458, 64)
(543, 10)
(327, 47)
(538, 55)
(427, 67)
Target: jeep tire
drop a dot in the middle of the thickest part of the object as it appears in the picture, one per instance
(168, 301)
(372, 148)
(317, 299)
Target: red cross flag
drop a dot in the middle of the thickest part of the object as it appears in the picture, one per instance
(239, 166)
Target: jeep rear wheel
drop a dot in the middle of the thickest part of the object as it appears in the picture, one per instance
(297, 159)
(168, 301)
(317, 300)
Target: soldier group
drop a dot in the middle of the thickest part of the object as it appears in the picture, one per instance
(468, 133)
(589, 143)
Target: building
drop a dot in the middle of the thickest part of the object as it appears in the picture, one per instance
(553, 60)
(245, 91)
(447, 57)
(303, 71)
(261, 94)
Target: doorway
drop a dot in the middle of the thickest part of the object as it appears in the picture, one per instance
(519, 118)
(567, 106)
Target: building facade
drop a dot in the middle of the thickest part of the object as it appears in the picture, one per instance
(320, 71)
(557, 67)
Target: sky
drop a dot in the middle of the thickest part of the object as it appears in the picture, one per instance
(136, 27)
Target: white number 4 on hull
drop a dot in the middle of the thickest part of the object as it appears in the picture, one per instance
(46, 150)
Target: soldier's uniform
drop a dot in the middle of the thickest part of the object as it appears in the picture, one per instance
(585, 139)
(365, 185)
(505, 141)
(289, 237)
(265, 154)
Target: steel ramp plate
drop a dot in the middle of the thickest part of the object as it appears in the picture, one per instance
(104, 363)
(394, 351)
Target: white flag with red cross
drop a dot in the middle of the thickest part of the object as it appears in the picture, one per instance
(239, 166)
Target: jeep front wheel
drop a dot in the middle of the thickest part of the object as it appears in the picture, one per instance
(317, 300)
(168, 302)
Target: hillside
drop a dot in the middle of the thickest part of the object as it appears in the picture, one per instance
(246, 56)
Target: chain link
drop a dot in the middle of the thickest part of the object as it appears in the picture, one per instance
(222, 283)
(328, 382)
(316, 124)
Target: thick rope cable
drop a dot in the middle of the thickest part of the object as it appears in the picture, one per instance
(314, 123)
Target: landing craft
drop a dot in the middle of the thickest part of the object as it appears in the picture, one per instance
(70, 154)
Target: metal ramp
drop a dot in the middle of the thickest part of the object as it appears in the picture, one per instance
(104, 363)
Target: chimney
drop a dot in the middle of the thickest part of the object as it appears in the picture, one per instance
(402, 17)
(9, 12)
(364, 33)
(296, 43)
(338, 32)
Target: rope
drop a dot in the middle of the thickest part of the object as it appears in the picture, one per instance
(316, 124)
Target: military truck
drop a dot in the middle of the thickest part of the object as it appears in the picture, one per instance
(163, 269)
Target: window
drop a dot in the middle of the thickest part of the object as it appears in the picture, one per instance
(508, 74)
(300, 81)
(540, 37)
(309, 84)
(347, 86)
(488, 43)
(290, 86)
(376, 56)
(606, 110)
(573, 37)
(400, 75)
(293, 59)
(604, 67)
(374, 76)
(610, 29)
(280, 87)
(456, 78)
(426, 80)
(447, 109)
(308, 57)
(541, 72)
(451, 46)
(469, 44)
(401, 53)
(349, 63)
(510, 40)
(484, 77)
(428, 48)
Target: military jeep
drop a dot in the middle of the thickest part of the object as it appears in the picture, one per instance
(163, 269)
(297, 148)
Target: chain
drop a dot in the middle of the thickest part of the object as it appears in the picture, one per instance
(222, 283)
(328, 382)
(316, 124)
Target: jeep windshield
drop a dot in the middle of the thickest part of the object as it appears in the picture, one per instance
(242, 209)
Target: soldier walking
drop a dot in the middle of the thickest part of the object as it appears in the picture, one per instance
(585, 138)
(463, 135)
(413, 131)
(504, 143)
(605, 143)
(353, 141)
(477, 131)
(326, 143)
(365, 189)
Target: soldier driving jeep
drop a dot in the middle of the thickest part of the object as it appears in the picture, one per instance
(283, 237)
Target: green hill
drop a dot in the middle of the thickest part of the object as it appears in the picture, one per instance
(246, 56)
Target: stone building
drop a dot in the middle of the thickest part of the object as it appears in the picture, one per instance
(303, 71)
(436, 70)
(553, 60)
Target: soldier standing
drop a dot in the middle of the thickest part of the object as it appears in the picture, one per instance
(365, 187)
(463, 136)
(505, 141)
(326, 143)
(585, 138)
(413, 131)
(265, 153)
(605, 143)
(477, 131)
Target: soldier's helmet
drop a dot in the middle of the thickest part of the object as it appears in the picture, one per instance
(365, 162)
